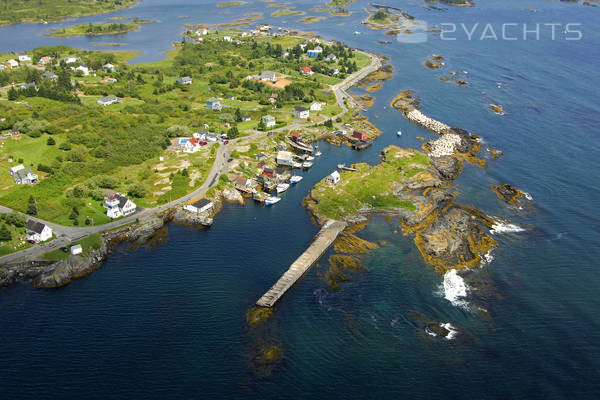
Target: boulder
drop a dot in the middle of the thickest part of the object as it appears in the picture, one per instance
(233, 196)
(184, 217)
(448, 166)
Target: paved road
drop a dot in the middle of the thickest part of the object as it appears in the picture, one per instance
(67, 234)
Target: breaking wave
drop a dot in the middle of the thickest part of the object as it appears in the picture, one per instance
(455, 289)
(505, 227)
(452, 332)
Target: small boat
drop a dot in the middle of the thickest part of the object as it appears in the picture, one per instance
(309, 158)
(269, 201)
(318, 154)
(295, 179)
(356, 33)
(399, 133)
(282, 187)
(307, 164)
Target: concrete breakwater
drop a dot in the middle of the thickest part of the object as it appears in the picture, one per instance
(326, 236)
(433, 125)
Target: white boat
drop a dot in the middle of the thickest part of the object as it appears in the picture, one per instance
(307, 164)
(309, 158)
(295, 179)
(282, 187)
(269, 201)
(318, 154)
(399, 133)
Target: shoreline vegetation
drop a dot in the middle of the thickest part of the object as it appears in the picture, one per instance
(44, 11)
(75, 170)
(99, 29)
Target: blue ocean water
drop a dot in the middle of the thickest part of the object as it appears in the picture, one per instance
(169, 321)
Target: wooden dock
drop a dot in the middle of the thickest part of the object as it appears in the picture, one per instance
(318, 247)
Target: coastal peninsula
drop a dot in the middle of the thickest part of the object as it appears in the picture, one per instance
(44, 11)
(101, 29)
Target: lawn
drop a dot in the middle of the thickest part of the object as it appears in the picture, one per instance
(370, 186)
(89, 243)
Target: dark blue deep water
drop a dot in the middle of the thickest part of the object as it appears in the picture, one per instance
(169, 322)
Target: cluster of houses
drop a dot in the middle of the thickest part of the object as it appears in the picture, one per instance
(23, 175)
(198, 139)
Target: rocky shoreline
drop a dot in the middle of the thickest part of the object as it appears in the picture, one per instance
(448, 235)
(53, 274)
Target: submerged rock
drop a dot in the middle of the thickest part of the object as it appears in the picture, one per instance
(509, 194)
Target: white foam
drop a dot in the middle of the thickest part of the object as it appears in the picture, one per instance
(430, 332)
(487, 258)
(455, 289)
(452, 332)
(505, 227)
(528, 196)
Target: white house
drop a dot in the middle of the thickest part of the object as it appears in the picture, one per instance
(14, 169)
(285, 158)
(202, 32)
(2, 67)
(316, 106)
(118, 205)
(200, 206)
(200, 135)
(227, 38)
(76, 249)
(269, 121)
(108, 67)
(25, 176)
(189, 145)
(268, 76)
(214, 104)
(85, 71)
(45, 60)
(333, 178)
(70, 60)
(24, 58)
(331, 58)
(184, 80)
(301, 112)
(108, 100)
(12, 64)
(37, 231)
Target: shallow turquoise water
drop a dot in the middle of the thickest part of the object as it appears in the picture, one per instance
(169, 322)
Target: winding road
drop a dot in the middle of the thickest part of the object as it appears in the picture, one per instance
(68, 234)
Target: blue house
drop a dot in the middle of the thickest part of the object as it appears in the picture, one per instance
(316, 52)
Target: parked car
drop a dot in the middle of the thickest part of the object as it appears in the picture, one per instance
(226, 142)
(64, 249)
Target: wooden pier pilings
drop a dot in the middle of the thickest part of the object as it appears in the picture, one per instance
(318, 247)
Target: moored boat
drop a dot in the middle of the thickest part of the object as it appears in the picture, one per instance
(295, 179)
(399, 133)
(269, 201)
(307, 164)
(282, 187)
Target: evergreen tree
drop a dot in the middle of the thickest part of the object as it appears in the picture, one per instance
(5, 234)
(13, 94)
(51, 141)
(32, 208)
(233, 132)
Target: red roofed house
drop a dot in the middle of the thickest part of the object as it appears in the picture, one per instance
(306, 70)
(269, 172)
(359, 135)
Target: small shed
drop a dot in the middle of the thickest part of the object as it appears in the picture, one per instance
(333, 178)
(76, 249)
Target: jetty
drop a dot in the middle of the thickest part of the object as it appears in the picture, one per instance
(326, 236)
(433, 125)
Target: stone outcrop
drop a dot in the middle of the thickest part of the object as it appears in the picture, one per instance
(453, 240)
(448, 167)
(185, 217)
(510, 194)
(233, 196)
